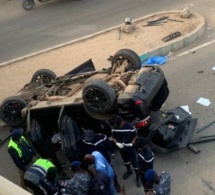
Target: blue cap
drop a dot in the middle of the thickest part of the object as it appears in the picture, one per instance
(150, 175)
(16, 134)
(75, 164)
(89, 135)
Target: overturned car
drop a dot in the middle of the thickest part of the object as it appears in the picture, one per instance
(88, 98)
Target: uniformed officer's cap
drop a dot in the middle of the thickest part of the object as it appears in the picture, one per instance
(116, 121)
(16, 134)
(89, 135)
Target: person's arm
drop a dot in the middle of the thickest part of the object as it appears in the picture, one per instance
(33, 151)
(16, 159)
(109, 146)
(49, 187)
(134, 140)
(113, 138)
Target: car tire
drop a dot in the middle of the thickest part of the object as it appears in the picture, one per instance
(69, 133)
(43, 76)
(10, 111)
(134, 62)
(99, 97)
(39, 139)
(28, 4)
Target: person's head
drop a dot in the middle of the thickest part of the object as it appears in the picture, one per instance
(17, 134)
(75, 166)
(151, 176)
(116, 122)
(89, 135)
(89, 159)
(51, 174)
(140, 144)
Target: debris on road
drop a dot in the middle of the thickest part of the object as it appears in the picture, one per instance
(171, 36)
(158, 60)
(204, 101)
(194, 148)
(205, 126)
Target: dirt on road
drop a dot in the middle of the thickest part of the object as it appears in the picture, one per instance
(99, 48)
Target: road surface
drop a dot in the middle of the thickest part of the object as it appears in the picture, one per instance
(59, 21)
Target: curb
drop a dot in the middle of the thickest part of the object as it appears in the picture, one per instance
(173, 46)
(178, 44)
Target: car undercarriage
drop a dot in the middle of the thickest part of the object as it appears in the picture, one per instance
(86, 98)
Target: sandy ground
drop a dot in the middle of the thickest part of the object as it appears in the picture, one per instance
(99, 48)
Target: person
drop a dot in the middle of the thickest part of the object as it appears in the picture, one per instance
(99, 142)
(145, 158)
(37, 174)
(21, 152)
(79, 183)
(98, 160)
(124, 135)
(100, 184)
(159, 184)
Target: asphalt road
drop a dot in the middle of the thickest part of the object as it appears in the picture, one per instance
(59, 21)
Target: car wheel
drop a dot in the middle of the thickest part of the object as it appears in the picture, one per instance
(39, 139)
(99, 96)
(133, 60)
(70, 134)
(10, 111)
(28, 4)
(43, 76)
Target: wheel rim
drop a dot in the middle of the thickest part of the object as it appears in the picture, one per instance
(96, 99)
(12, 112)
(43, 78)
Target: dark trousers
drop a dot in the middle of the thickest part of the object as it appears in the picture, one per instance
(129, 156)
(33, 187)
(143, 180)
(146, 185)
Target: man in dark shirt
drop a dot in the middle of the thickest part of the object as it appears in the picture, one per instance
(97, 142)
(145, 158)
(21, 152)
(124, 136)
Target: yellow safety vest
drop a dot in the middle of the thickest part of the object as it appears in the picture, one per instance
(44, 164)
(15, 145)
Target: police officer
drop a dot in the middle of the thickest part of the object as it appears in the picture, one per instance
(124, 136)
(145, 159)
(40, 177)
(99, 142)
(21, 152)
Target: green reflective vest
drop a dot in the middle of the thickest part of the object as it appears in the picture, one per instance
(15, 145)
(44, 164)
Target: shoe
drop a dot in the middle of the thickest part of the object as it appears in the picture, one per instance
(138, 181)
(118, 188)
(127, 174)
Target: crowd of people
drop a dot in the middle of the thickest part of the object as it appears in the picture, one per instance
(94, 172)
